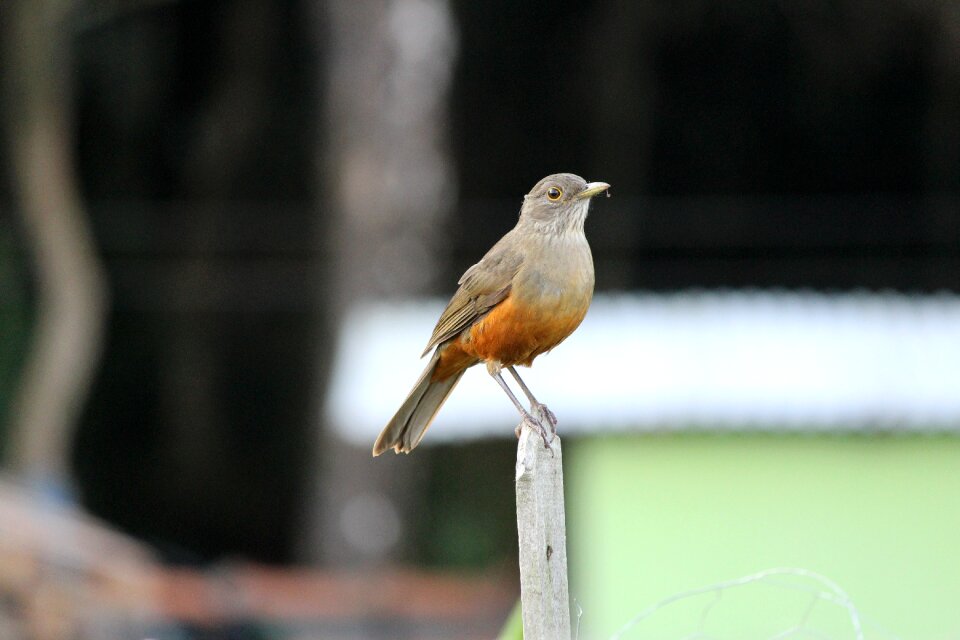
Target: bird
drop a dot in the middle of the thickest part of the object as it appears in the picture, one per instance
(528, 293)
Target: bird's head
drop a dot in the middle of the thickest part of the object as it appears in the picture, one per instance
(560, 202)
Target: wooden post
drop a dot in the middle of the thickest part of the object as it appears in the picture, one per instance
(543, 539)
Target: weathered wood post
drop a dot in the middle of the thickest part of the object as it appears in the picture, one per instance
(542, 532)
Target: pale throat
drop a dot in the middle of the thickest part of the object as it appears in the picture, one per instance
(568, 224)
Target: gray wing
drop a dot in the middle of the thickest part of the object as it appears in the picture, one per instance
(482, 286)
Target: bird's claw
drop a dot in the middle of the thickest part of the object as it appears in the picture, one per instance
(545, 415)
(536, 424)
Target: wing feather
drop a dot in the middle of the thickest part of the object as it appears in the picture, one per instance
(482, 286)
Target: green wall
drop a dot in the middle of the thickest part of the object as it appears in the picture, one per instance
(653, 516)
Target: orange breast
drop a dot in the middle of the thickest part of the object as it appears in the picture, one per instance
(516, 333)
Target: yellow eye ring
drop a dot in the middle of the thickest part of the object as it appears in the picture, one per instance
(554, 194)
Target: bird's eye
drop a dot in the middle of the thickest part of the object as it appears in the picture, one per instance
(554, 193)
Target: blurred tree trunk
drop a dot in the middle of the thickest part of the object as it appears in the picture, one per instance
(224, 132)
(943, 125)
(942, 132)
(195, 136)
(622, 93)
(621, 108)
(71, 288)
(388, 181)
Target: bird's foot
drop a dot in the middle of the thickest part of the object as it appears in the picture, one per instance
(537, 425)
(545, 416)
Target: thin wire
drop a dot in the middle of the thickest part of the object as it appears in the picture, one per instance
(579, 616)
(835, 595)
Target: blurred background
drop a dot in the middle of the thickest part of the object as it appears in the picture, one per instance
(226, 229)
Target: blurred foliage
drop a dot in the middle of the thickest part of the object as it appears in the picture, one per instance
(470, 517)
(513, 627)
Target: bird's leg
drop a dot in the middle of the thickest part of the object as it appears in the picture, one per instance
(493, 368)
(538, 407)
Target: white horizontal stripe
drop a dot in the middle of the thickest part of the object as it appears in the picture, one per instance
(751, 360)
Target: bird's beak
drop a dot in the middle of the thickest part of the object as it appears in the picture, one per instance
(592, 189)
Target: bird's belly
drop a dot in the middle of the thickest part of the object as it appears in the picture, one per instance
(516, 332)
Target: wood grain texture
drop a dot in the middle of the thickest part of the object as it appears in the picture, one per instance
(541, 526)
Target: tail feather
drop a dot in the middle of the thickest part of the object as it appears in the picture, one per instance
(406, 428)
